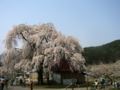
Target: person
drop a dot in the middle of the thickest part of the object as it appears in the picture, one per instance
(24, 82)
(96, 83)
(6, 82)
(21, 82)
(102, 81)
(12, 81)
(2, 83)
(110, 82)
(116, 84)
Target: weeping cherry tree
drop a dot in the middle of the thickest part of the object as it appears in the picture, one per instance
(42, 45)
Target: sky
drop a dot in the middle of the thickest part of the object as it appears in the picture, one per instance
(92, 22)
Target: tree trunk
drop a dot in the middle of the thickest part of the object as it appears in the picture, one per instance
(40, 76)
(48, 78)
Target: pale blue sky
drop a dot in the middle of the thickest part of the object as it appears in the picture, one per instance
(93, 22)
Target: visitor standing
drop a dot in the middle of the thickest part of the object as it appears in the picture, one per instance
(102, 81)
(12, 81)
(6, 82)
(21, 81)
(24, 82)
(96, 83)
(2, 83)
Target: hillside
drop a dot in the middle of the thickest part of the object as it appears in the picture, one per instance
(0, 57)
(106, 53)
(0, 60)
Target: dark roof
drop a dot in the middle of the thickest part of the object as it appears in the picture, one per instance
(63, 66)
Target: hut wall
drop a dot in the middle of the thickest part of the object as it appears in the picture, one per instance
(68, 76)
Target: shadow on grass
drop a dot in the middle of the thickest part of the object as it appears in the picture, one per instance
(54, 86)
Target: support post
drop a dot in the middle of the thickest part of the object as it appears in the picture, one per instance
(87, 82)
(73, 81)
(31, 85)
(72, 84)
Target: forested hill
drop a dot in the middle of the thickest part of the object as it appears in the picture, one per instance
(0, 57)
(106, 53)
(0, 60)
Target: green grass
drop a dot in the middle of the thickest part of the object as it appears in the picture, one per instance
(115, 89)
(118, 79)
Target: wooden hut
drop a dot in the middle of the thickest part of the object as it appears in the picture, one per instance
(63, 70)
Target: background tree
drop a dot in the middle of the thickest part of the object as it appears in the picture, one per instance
(42, 46)
(110, 71)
